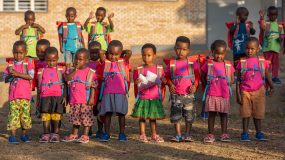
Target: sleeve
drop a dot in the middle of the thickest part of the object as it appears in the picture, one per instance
(5, 73)
(88, 28)
(109, 29)
(196, 74)
(60, 30)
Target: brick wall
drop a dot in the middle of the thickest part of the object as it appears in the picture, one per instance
(135, 22)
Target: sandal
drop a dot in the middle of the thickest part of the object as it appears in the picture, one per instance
(143, 138)
(157, 139)
(209, 139)
(55, 138)
(225, 138)
(70, 138)
(45, 138)
(83, 139)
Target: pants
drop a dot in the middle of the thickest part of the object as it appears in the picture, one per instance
(273, 57)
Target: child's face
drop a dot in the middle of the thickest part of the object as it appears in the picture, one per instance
(70, 16)
(100, 15)
(272, 15)
(80, 61)
(148, 56)
(219, 54)
(243, 16)
(114, 53)
(181, 50)
(30, 19)
(52, 59)
(251, 49)
(41, 49)
(94, 53)
(19, 53)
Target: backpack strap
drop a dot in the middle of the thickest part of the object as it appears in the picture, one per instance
(40, 76)
(79, 31)
(140, 70)
(25, 66)
(228, 66)
(172, 67)
(191, 69)
(123, 70)
(59, 71)
(64, 31)
(105, 73)
(159, 69)
(89, 79)
(210, 75)
(261, 61)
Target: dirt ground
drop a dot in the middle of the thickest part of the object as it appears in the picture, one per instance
(273, 126)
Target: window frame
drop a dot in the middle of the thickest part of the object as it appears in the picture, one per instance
(16, 7)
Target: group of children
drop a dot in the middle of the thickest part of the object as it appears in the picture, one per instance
(96, 81)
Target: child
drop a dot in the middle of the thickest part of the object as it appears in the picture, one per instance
(52, 96)
(183, 79)
(149, 100)
(19, 74)
(114, 99)
(94, 48)
(99, 30)
(217, 74)
(30, 33)
(252, 73)
(70, 35)
(81, 81)
(41, 47)
(273, 36)
(240, 31)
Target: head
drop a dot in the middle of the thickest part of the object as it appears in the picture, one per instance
(242, 13)
(19, 50)
(114, 50)
(70, 14)
(219, 49)
(182, 47)
(51, 56)
(272, 13)
(42, 45)
(30, 17)
(94, 48)
(100, 14)
(81, 58)
(251, 47)
(148, 53)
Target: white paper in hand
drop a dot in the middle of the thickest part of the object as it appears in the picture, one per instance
(152, 77)
(143, 79)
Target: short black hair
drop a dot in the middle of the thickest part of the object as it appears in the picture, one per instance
(115, 43)
(94, 44)
(242, 10)
(43, 42)
(83, 50)
(272, 8)
(51, 50)
(101, 9)
(252, 39)
(218, 43)
(69, 9)
(19, 43)
(149, 45)
(29, 12)
(183, 39)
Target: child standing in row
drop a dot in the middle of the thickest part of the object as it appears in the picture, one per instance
(51, 91)
(19, 74)
(99, 31)
(149, 100)
(183, 79)
(217, 74)
(252, 75)
(30, 33)
(82, 83)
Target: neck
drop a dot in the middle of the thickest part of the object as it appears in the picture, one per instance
(149, 65)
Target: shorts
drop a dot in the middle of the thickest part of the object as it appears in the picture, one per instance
(51, 104)
(81, 114)
(182, 106)
(48, 117)
(253, 104)
(19, 114)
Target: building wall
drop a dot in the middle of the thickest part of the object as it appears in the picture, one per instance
(136, 21)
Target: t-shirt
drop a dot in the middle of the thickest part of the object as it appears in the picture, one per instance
(152, 92)
(72, 43)
(99, 34)
(31, 41)
(182, 85)
(50, 75)
(218, 86)
(239, 40)
(252, 80)
(271, 42)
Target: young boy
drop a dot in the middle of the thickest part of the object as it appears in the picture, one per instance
(41, 47)
(70, 35)
(99, 30)
(30, 33)
(273, 36)
(183, 79)
(252, 73)
(19, 74)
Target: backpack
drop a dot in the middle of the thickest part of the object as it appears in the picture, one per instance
(92, 34)
(230, 37)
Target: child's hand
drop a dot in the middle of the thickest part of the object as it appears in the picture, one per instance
(90, 102)
(25, 26)
(250, 24)
(91, 15)
(237, 20)
(138, 81)
(261, 14)
(172, 88)
(35, 25)
(111, 15)
(193, 89)
(64, 102)
(239, 100)
(270, 92)
(14, 73)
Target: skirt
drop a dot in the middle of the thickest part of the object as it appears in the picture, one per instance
(148, 109)
(217, 104)
(114, 103)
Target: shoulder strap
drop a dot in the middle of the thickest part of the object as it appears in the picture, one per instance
(267, 26)
(228, 71)
(79, 31)
(262, 66)
(64, 31)
(172, 67)
(93, 28)
(25, 65)
(59, 70)
(210, 73)
(40, 76)
(140, 69)
(191, 68)
(107, 66)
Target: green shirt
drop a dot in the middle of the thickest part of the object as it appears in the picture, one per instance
(271, 42)
(31, 41)
(99, 34)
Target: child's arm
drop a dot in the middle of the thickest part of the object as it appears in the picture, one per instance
(110, 16)
(60, 42)
(251, 29)
(82, 40)
(239, 98)
(204, 78)
(20, 29)
(269, 82)
(261, 19)
(69, 76)
(91, 16)
(64, 99)
(21, 75)
(39, 27)
(94, 86)
(235, 25)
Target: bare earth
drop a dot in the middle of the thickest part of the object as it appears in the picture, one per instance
(273, 126)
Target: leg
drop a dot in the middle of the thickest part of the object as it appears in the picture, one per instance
(86, 130)
(142, 126)
(122, 123)
(55, 124)
(177, 127)
(245, 123)
(211, 122)
(100, 125)
(46, 126)
(152, 124)
(188, 127)
(107, 122)
(75, 129)
(224, 122)
(257, 124)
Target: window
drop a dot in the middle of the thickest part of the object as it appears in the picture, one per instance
(23, 5)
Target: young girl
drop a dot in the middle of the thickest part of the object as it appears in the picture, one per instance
(114, 99)
(19, 74)
(51, 91)
(81, 81)
(252, 75)
(219, 75)
(149, 100)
